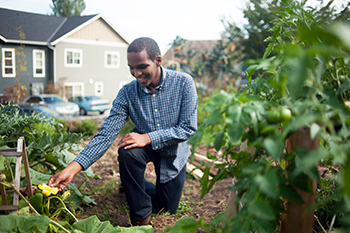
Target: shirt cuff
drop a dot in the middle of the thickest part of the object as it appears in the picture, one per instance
(83, 161)
(155, 141)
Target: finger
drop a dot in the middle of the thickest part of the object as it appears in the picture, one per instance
(52, 181)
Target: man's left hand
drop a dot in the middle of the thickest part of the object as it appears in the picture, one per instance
(132, 140)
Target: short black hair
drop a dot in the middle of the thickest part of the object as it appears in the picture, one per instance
(145, 43)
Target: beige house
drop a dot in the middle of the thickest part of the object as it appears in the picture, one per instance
(80, 55)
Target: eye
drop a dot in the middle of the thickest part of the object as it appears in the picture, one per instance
(142, 67)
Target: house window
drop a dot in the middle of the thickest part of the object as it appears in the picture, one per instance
(73, 89)
(99, 88)
(8, 63)
(37, 88)
(38, 63)
(112, 59)
(73, 57)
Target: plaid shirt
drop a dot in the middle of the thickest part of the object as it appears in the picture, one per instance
(169, 116)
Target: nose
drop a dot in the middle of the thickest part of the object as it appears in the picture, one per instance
(136, 73)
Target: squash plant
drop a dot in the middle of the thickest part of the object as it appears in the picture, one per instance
(305, 72)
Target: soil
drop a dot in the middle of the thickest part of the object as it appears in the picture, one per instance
(111, 202)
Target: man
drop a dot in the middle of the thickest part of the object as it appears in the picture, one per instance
(163, 106)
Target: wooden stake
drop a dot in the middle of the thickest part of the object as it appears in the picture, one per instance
(299, 218)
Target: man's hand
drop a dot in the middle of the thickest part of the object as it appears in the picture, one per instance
(64, 177)
(132, 140)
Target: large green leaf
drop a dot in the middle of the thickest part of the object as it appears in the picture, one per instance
(37, 202)
(261, 209)
(94, 225)
(37, 177)
(24, 224)
(274, 146)
(186, 225)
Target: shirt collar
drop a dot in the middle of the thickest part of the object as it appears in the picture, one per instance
(160, 86)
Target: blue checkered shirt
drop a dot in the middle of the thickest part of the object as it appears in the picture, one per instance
(169, 116)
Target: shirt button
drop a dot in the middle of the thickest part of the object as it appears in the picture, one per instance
(156, 147)
(155, 110)
(158, 125)
(154, 95)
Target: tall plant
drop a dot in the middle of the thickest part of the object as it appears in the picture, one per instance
(303, 83)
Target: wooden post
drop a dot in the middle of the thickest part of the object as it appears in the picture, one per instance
(299, 218)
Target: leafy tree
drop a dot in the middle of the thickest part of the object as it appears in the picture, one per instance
(68, 8)
(261, 16)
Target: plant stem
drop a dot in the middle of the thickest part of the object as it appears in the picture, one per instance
(33, 209)
(320, 224)
(65, 207)
(332, 223)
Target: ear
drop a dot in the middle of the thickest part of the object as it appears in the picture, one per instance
(158, 61)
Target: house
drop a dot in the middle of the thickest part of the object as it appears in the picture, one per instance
(177, 55)
(80, 55)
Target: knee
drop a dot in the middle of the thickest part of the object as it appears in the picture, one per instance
(122, 155)
(130, 156)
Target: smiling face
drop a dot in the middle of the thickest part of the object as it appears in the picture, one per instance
(146, 71)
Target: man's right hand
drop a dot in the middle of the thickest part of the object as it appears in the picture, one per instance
(64, 177)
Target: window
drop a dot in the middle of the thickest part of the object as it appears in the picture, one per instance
(8, 63)
(99, 88)
(37, 88)
(73, 57)
(38, 63)
(112, 59)
(73, 89)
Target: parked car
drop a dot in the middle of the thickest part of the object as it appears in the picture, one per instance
(90, 103)
(54, 102)
(43, 110)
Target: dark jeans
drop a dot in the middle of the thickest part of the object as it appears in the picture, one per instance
(144, 197)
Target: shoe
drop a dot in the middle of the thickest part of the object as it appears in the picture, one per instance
(146, 221)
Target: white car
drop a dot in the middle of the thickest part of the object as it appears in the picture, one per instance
(54, 102)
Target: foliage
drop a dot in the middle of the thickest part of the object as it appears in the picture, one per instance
(87, 127)
(49, 147)
(67, 8)
(212, 67)
(305, 68)
(261, 15)
(42, 224)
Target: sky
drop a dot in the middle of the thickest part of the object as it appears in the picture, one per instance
(159, 19)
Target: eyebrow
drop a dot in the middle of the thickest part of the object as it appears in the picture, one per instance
(140, 66)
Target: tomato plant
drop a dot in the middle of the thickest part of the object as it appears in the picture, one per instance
(298, 87)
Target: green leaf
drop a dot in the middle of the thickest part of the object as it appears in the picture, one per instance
(17, 223)
(268, 183)
(235, 132)
(274, 146)
(315, 128)
(37, 177)
(290, 194)
(261, 209)
(186, 225)
(37, 202)
(93, 224)
(219, 140)
(298, 74)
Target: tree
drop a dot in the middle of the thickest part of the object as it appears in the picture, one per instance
(67, 8)
(261, 16)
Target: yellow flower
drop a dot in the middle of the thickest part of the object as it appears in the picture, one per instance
(47, 190)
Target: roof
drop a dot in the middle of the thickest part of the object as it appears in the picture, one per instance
(38, 28)
(200, 46)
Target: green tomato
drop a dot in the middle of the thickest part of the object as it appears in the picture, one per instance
(286, 114)
(274, 116)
